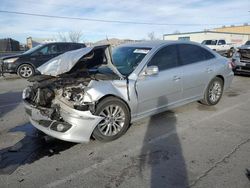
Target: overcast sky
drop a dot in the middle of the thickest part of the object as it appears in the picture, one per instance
(211, 13)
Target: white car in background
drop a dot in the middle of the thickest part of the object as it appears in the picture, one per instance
(220, 46)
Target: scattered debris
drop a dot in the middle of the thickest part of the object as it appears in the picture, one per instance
(21, 180)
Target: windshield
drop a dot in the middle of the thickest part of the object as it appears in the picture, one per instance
(209, 42)
(126, 59)
(248, 43)
(33, 49)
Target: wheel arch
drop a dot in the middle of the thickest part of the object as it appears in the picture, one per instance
(25, 64)
(204, 100)
(216, 76)
(221, 77)
(115, 96)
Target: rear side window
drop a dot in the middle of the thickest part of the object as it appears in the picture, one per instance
(63, 47)
(221, 42)
(165, 58)
(209, 42)
(191, 54)
(77, 46)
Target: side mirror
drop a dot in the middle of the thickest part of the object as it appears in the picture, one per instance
(151, 70)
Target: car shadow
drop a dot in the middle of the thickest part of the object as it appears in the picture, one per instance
(34, 146)
(9, 101)
(161, 153)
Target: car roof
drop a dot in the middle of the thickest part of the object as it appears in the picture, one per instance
(145, 44)
(156, 43)
(63, 43)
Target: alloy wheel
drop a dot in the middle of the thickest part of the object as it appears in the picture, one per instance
(26, 71)
(215, 92)
(113, 122)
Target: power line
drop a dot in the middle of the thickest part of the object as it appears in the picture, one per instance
(105, 21)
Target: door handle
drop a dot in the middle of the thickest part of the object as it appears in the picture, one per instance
(176, 78)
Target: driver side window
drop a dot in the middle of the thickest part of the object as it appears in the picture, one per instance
(165, 58)
(221, 42)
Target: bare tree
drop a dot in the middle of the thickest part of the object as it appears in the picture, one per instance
(151, 36)
(75, 36)
(62, 37)
(71, 36)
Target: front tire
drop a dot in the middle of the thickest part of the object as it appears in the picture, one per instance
(213, 92)
(230, 53)
(116, 119)
(25, 71)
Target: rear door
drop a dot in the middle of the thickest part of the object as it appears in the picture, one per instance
(197, 69)
(158, 91)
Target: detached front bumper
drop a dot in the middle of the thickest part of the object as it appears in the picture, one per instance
(80, 123)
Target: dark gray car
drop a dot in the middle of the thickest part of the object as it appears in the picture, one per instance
(25, 64)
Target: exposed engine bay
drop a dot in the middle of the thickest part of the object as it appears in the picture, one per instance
(69, 88)
(63, 101)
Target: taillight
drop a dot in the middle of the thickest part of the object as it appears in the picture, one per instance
(231, 64)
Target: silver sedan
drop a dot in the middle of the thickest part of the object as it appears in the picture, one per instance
(96, 91)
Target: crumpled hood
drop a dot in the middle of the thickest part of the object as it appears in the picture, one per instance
(65, 62)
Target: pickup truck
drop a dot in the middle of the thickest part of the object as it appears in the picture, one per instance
(220, 46)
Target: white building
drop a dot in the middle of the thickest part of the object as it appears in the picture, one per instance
(32, 42)
(235, 38)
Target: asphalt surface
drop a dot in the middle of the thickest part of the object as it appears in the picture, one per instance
(191, 146)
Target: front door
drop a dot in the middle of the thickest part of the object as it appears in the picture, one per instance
(156, 92)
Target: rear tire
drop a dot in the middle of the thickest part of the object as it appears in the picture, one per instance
(213, 92)
(116, 119)
(25, 71)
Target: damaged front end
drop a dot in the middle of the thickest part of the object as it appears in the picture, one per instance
(56, 104)
(59, 110)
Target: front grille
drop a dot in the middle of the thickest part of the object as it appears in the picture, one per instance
(244, 54)
(45, 123)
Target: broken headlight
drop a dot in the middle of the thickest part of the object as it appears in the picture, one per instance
(26, 93)
(74, 94)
